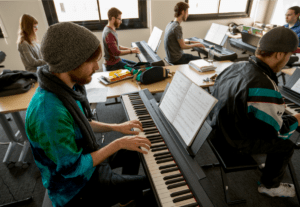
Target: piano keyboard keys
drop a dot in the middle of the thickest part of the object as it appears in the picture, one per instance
(164, 172)
(291, 108)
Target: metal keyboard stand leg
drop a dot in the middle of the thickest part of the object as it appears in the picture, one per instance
(21, 126)
(13, 141)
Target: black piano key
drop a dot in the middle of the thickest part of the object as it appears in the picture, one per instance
(135, 98)
(152, 136)
(155, 139)
(169, 170)
(298, 110)
(167, 166)
(151, 132)
(174, 181)
(183, 198)
(136, 102)
(141, 112)
(172, 176)
(158, 141)
(161, 153)
(159, 149)
(163, 157)
(148, 126)
(294, 106)
(176, 185)
(144, 118)
(156, 146)
(148, 122)
(191, 205)
(164, 160)
(182, 192)
(139, 107)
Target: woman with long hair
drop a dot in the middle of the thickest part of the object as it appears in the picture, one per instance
(28, 43)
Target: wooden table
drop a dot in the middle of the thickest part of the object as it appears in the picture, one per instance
(288, 71)
(191, 73)
(127, 86)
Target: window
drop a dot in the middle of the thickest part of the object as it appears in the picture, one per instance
(218, 9)
(92, 14)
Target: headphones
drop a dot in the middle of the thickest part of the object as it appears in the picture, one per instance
(233, 28)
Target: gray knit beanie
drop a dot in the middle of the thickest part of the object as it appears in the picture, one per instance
(66, 46)
(279, 39)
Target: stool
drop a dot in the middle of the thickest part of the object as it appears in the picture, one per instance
(47, 202)
(166, 59)
(230, 161)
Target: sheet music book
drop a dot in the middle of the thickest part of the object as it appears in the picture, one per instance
(202, 65)
(186, 106)
(294, 81)
(154, 38)
(216, 33)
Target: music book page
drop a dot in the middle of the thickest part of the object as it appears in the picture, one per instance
(154, 38)
(216, 33)
(174, 96)
(296, 86)
(193, 112)
(186, 106)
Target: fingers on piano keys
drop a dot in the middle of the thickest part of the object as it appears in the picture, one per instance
(169, 182)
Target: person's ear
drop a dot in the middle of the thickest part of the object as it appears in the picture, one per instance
(280, 55)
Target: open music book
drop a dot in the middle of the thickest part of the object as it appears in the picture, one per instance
(186, 106)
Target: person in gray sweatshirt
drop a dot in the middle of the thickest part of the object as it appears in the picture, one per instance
(27, 43)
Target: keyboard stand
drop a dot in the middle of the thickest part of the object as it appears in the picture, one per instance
(13, 141)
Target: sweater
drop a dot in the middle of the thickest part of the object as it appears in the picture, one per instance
(31, 56)
(53, 136)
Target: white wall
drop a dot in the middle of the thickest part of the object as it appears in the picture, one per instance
(162, 14)
(278, 13)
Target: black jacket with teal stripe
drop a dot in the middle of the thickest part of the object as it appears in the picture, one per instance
(250, 105)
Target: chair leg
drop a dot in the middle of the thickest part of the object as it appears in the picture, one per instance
(295, 180)
(226, 192)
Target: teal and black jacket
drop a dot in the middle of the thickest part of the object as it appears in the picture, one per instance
(250, 105)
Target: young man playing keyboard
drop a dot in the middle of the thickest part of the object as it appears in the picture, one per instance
(173, 40)
(74, 168)
(112, 49)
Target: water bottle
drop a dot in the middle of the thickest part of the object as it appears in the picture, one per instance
(211, 53)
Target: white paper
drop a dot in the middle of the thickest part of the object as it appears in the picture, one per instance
(174, 96)
(216, 33)
(96, 95)
(154, 38)
(296, 86)
(193, 112)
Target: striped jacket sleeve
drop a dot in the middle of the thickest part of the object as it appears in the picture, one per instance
(266, 107)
